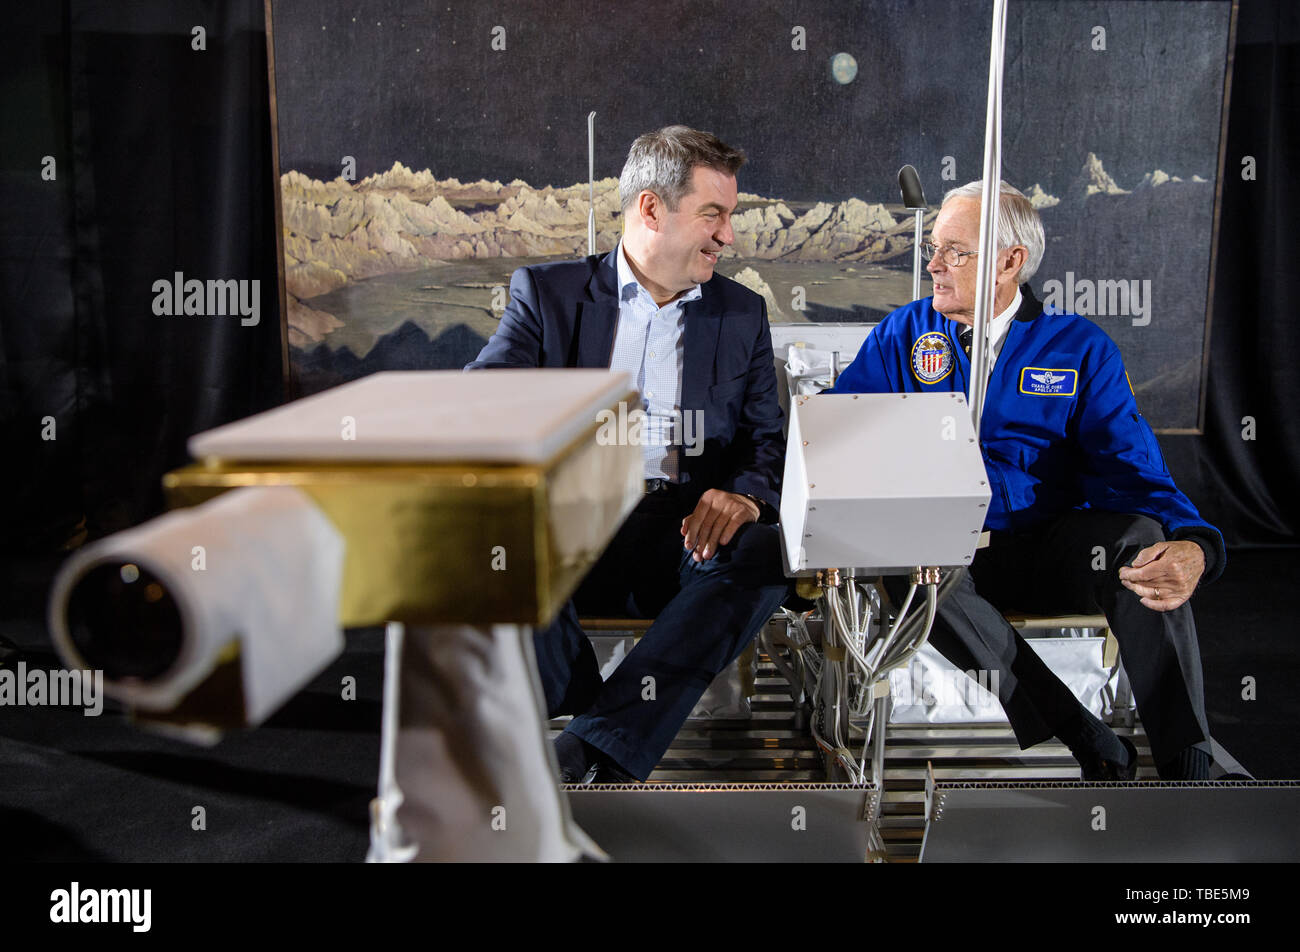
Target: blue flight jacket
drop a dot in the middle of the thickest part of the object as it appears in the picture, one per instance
(1061, 428)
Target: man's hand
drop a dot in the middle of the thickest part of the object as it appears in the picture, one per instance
(1165, 574)
(715, 520)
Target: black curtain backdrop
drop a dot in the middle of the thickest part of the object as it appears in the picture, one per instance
(163, 163)
(1248, 487)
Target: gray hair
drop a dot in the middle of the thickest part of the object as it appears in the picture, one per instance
(1018, 223)
(662, 161)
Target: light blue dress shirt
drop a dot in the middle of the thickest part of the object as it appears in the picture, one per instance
(648, 345)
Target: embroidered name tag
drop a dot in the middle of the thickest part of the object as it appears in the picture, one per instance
(1049, 381)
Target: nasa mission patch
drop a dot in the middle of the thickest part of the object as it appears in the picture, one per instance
(1049, 381)
(931, 357)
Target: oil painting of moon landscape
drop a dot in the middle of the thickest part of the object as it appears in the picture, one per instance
(427, 150)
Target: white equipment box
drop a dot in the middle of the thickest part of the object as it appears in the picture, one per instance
(836, 344)
(880, 483)
(842, 340)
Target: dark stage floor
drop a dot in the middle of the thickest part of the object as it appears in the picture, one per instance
(96, 788)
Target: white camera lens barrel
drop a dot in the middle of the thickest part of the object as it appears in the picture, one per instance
(158, 607)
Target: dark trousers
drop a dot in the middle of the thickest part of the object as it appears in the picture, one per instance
(705, 615)
(1066, 566)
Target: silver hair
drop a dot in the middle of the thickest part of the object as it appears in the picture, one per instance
(661, 161)
(1018, 223)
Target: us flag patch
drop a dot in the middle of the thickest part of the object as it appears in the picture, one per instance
(932, 357)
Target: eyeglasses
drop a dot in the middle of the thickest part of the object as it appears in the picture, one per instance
(950, 255)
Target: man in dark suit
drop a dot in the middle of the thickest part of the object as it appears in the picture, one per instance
(700, 553)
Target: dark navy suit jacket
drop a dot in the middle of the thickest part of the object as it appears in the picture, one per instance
(565, 314)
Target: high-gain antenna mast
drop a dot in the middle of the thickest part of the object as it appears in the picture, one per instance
(591, 183)
(985, 289)
(909, 183)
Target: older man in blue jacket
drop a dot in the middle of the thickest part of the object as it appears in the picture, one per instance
(700, 553)
(1084, 515)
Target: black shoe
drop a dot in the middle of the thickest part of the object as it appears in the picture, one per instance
(1100, 770)
(612, 773)
(572, 777)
